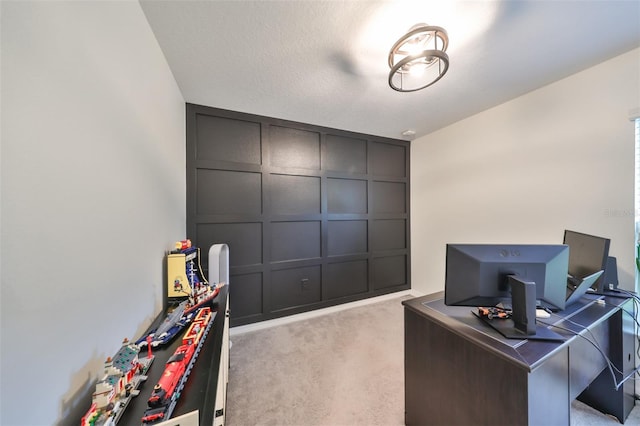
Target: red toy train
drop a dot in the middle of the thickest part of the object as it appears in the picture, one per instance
(167, 391)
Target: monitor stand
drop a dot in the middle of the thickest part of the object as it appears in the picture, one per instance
(522, 324)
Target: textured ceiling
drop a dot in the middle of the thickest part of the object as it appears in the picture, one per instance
(325, 62)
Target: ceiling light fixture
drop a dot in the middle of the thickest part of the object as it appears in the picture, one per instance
(418, 58)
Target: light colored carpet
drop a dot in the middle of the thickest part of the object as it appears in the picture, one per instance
(344, 368)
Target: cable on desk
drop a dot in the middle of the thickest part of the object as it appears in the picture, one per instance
(627, 292)
(636, 307)
(610, 364)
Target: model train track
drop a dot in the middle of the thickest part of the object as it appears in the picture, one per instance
(165, 412)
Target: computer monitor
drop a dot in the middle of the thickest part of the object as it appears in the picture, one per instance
(588, 254)
(478, 274)
(521, 276)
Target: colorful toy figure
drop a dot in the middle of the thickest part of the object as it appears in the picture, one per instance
(183, 245)
(183, 270)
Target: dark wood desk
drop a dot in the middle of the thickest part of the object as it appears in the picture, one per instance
(459, 371)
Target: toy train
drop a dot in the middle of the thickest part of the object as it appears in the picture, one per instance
(167, 391)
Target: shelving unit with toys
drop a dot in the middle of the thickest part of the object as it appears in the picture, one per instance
(202, 397)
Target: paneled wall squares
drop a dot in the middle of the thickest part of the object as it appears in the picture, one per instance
(389, 197)
(248, 288)
(228, 192)
(313, 216)
(294, 148)
(295, 240)
(241, 139)
(245, 239)
(292, 194)
(388, 160)
(346, 279)
(347, 237)
(343, 154)
(295, 287)
(389, 234)
(389, 271)
(346, 196)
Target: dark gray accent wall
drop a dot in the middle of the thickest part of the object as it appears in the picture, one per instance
(313, 216)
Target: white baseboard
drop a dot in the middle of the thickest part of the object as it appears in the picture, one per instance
(241, 329)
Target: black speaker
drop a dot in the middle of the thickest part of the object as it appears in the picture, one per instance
(610, 276)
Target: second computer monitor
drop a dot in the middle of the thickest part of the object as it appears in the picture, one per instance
(588, 254)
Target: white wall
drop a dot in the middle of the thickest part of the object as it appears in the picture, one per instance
(561, 157)
(93, 195)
